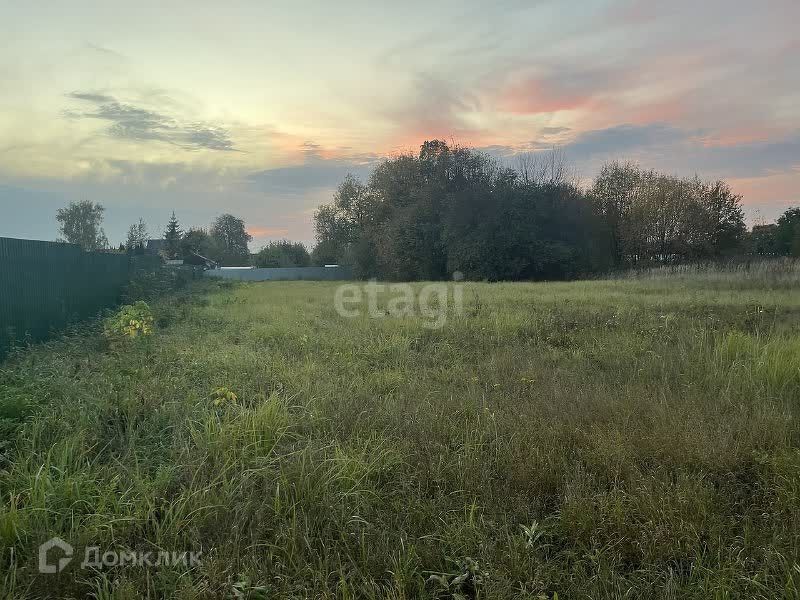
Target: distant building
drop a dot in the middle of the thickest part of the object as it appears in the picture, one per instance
(155, 247)
(201, 261)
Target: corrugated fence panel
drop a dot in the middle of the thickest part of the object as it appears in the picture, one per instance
(46, 285)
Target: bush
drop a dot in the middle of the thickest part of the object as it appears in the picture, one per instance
(132, 320)
(149, 283)
(283, 254)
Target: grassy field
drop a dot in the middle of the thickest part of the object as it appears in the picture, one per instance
(630, 438)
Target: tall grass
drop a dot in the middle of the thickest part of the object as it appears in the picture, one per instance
(627, 438)
(769, 272)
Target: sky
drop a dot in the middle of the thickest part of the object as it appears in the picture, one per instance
(261, 108)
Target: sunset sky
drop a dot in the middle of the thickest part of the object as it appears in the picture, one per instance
(260, 108)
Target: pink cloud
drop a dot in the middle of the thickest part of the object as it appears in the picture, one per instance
(768, 196)
(262, 232)
(740, 135)
(544, 96)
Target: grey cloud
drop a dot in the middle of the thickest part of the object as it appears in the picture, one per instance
(311, 150)
(131, 122)
(754, 159)
(213, 138)
(669, 148)
(498, 150)
(315, 172)
(555, 130)
(622, 139)
(105, 51)
(89, 97)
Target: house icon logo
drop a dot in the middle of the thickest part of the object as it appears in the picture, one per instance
(44, 564)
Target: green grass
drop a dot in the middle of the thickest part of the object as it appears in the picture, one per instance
(631, 438)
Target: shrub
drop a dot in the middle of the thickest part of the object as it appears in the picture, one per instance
(148, 282)
(132, 320)
(222, 396)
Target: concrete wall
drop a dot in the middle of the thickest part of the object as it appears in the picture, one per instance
(283, 274)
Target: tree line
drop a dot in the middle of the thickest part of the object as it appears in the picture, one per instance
(448, 209)
(225, 242)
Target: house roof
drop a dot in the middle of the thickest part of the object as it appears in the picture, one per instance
(156, 244)
(207, 261)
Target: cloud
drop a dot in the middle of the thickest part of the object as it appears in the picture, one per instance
(90, 97)
(435, 107)
(311, 149)
(753, 159)
(131, 122)
(316, 172)
(105, 51)
(130, 190)
(623, 139)
(560, 87)
(267, 232)
(554, 130)
(26, 211)
(667, 148)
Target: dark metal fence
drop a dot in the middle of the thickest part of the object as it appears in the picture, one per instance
(46, 285)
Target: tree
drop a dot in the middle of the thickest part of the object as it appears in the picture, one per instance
(787, 235)
(341, 226)
(763, 240)
(653, 217)
(137, 237)
(80, 223)
(196, 241)
(450, 209)
(326, 252)
(545, 167)
(726, 219)
(447, 209)
(230, 241)
(613, 193)
(172, 238)
(283, 254)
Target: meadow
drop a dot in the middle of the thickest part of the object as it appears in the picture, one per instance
(635, 437)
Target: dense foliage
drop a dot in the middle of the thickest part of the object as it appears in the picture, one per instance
(196, 241)
(453, 209)
(131, 320)
(787, 233)
(282, 253)
(81, 223)
(230, 239)
(654, 217)
(225, 242)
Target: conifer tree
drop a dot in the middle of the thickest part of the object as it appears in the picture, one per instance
(172, 238)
